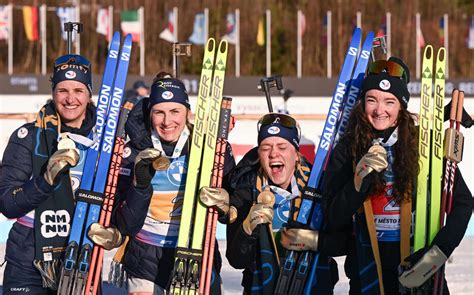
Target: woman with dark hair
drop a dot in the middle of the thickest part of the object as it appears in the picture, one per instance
(369, 188)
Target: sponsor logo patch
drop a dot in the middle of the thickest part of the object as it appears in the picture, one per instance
(22, 132)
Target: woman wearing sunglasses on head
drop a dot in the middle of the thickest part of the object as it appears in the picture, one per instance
(275, 170)
(151, 188)
(369, 186)
(42, 167)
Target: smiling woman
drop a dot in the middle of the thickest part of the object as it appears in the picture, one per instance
(39, 176)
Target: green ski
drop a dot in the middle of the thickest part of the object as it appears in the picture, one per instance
(436, 173)
(189, 249)
(424, 149)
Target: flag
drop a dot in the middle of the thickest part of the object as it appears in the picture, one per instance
(302, 24)
(261, 31)
(4, 20)
(470, 38)
(168, 33)
(130, 24)
(66, 14)
(197, 37)
(103, 22)
(230, 32)
(324, 33)
(382, 31)
(441, 31)
(420, 40)
(30, 22)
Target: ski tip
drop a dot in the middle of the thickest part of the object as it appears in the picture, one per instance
(211, 44)
(428, 53)
(116, 36)
(223, 45)
(128, 39)
(441, 56)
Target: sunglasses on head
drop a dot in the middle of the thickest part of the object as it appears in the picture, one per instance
(393, 69)
(73, 59)
(277, 118)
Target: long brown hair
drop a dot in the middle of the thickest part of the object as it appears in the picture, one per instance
(405, 167)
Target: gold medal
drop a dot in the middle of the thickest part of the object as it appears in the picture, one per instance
(161, 164)
(66, 143)
(266, 197)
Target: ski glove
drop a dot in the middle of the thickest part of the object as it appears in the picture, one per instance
(422, 264)
(375, 159)
(215, 197)
(59, 162)
(106, 237)
(299, 239)
(258, 214)
(144, 170)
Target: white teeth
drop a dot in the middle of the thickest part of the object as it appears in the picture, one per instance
(276, 164)
(70, 107)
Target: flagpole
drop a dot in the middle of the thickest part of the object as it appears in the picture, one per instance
(10, 39)
(417, 43)
(298, 44)
(446, 44)
(206, 25)
(268, 40)
(388, 23)
(78, 19)
(175, 31)
(329, 42)
(43, 38)
(359, 19)
(111, 24)
(237, 42)
(141, 17)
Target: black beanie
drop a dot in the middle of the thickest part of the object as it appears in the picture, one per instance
(168, 90)
(72, 67)
(384, 82)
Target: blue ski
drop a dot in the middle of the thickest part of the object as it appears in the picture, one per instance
(89, 196)
(352, 93)
(293, 274)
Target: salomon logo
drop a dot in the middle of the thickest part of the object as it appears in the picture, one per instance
(55, 223)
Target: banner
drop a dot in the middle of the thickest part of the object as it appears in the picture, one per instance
(103, 22)
(4, 19)
(230, 32)
(198, 36)
(130, 24)
(470, 38)
(261, 31)
(30, 22)
(168, 33)
(66, 14)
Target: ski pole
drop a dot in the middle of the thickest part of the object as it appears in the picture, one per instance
(179, 49)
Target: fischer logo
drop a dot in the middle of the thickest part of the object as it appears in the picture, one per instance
(55, 223)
